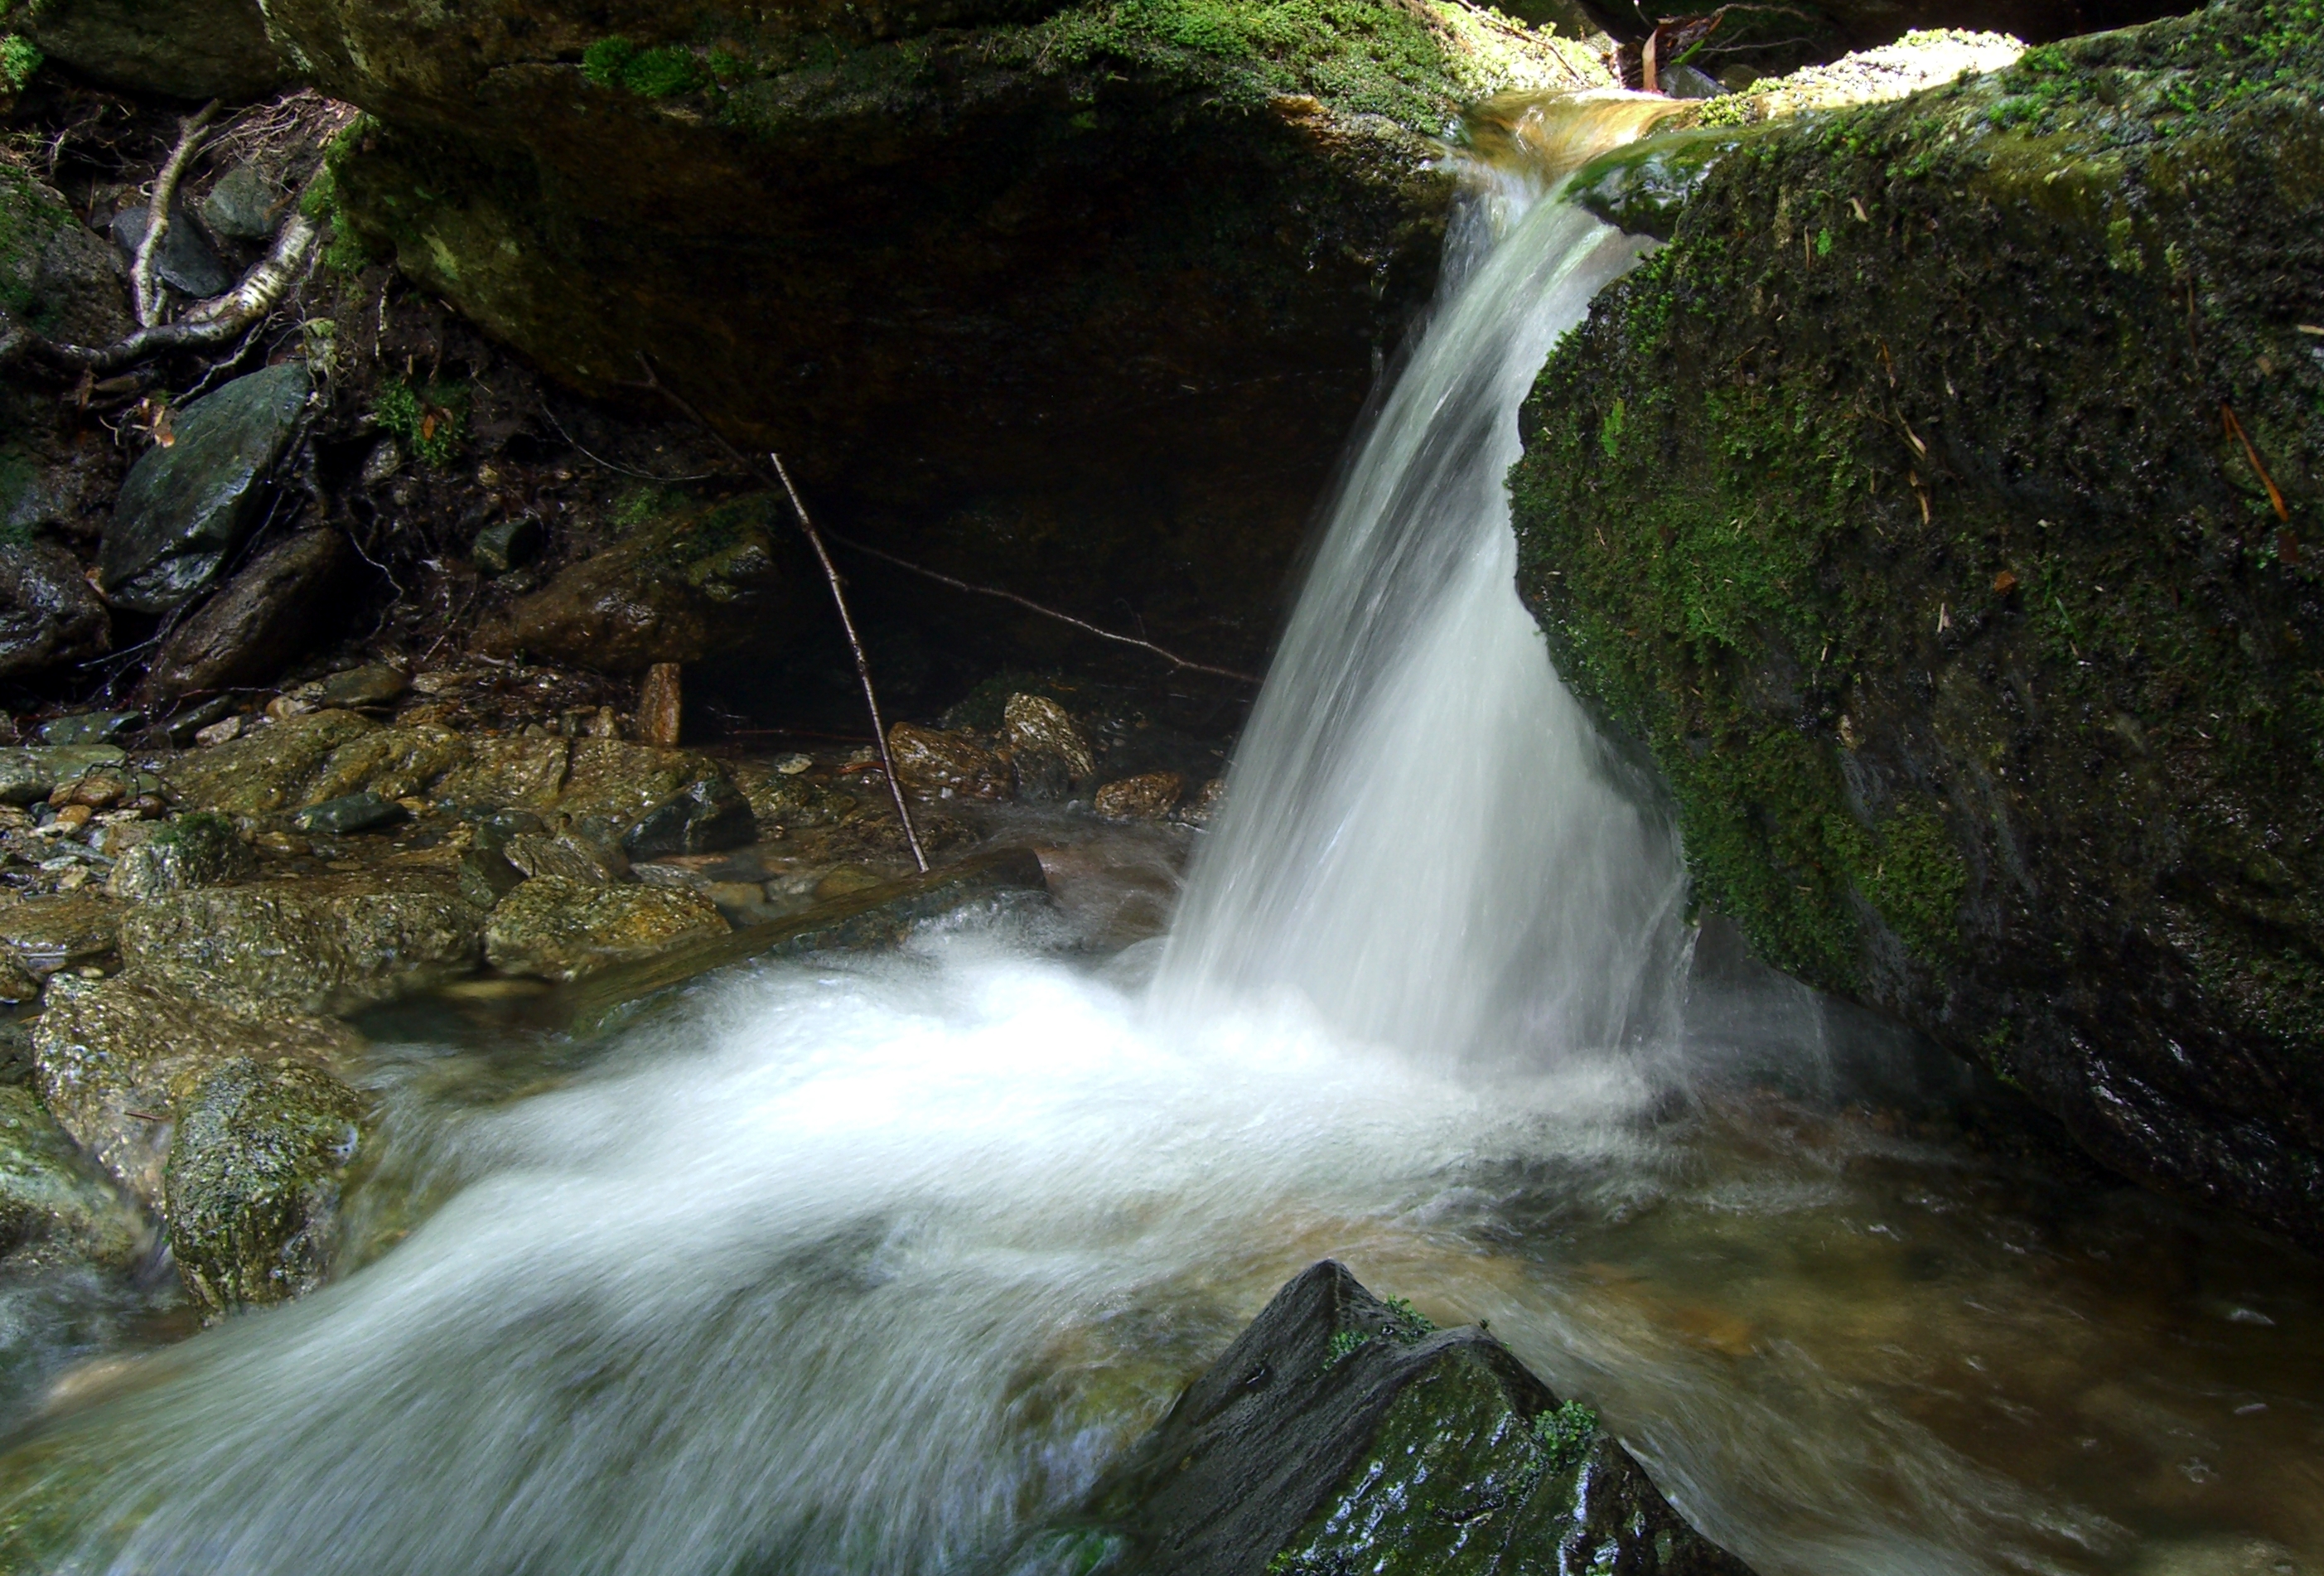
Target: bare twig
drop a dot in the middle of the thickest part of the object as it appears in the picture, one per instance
(2235, 429)
(145, 295)
(862, 667)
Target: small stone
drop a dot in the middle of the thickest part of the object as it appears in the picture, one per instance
(708, 815)
(930, 761)
(1146, 797)
(1043, 743)
(1207, 802)
(794, 764)
(658, 705)
(73, 817)
(568, 856)
(89, 727)
(374, 684)
(31, 774)
(486, 877)
(241, 206)
(603, 722)
(283, 708)
(846, 879)
(283, 842)
(186, 262)
(221, 732)
(441, 683)
(507, 544)
(350, 813)
(557, 929)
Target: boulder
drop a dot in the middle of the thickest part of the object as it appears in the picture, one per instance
(1047, 753)
(185, 507)
(1069, 299)
(930, 761)
(274, 608)
(1941, 509)
(115, 1057)
(677, 590)
(1340, 1433)
(54, 1203)
(49, 614)
(559, 930)
(269, 769)
(324, 944)
(243, 205)
(252, 1184)
(43, 934)
(1148, 797)
(196, 850)
(183, 49)
(56, 276)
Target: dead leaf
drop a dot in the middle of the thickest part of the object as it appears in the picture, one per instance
(2004, 584)
(1857, 204)
(428, 427)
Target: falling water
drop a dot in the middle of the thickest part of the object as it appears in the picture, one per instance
(865, 1265)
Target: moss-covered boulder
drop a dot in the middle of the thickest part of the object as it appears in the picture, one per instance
(1078, 296)
(1942, 507)
(1340, 1433)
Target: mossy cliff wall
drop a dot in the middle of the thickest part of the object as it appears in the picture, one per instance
(1944, 507)
(1078, 299)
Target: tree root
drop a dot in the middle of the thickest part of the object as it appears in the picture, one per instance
(144, 294)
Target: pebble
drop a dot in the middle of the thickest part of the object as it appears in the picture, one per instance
(223, 732)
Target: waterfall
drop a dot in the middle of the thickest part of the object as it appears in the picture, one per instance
(1423, 836)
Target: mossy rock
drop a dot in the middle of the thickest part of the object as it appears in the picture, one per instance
(54, 1206)
(1076, 298)
(1941, 508)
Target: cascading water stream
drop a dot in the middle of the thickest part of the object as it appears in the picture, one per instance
(865, 1266)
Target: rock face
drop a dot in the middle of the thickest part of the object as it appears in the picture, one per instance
(185, 49)
(1074, 295)
(183, 508)
(1340, 1432)
(1941, 508)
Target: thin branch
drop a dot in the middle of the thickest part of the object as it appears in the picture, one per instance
(618, 470)
(862, 667)
(145, 295)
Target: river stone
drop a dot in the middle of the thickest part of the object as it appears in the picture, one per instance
(565, 854)
(1148, 797)
(930, 761)
(706, 816)
(88, 727)
(1997, 713)
(399, 763)
(560, 930)
(1047, 753)
(179, 49)
(1340, 1432)
(44, 935)
(54, 1203)
(200, 848)
(113, 1058)
(507, 544)
(241, 206)
(267, 769)
(273, 609)
(510, 773)
(186, 262)
(31, 774)
(374, 684)
(323, 943)
(252, 1188)
(654, 801)
(184, 508)
(678, 589)
(48, 615)
(349, 813)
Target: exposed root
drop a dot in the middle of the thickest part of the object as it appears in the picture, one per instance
(144, 292)
(212, 322)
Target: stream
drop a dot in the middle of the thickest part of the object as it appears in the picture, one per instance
(865, 1264)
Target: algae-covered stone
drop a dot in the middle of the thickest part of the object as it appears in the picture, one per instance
(511, 772)
(1340, 1432)
(113, 1058)
(561, 929)
(43, 934)
(1940, 507)
(268, 769)
(200, 848)
(183, 508)
(253, 1185)
(54, 1204)
(324, 944)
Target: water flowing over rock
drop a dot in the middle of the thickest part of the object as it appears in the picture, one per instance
(1340, 1433)
(186, 506)
(1940, 508)
(54, 1205)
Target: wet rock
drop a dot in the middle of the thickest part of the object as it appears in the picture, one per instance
(326, 943)
(505, 773)
(31, 774)
(1340, 1433)
(186, 262)
(706, 816)
(560, 930)
(349, 813)
(568, 856)
(1940, 729)
(677, 590)
(507, 544)
(929, 761)
(182, 49)
(17, 984)
(184, 508)
(89, 727)
(269, 769)
(243, 205)
(654, 801)
(373, 684)
(1046, 751)
(54, 1203)
(55, 274)
(399, 763)
(48, 615)
(1149, 797)
(252, 1187)
(486, 875)
(1207, 802)
(781, 799)
(662, 705)
(43, 934)
(196, 850)
(115, 1057)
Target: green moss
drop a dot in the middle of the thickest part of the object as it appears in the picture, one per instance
(431, 420)
(664, 72)
(19, 58)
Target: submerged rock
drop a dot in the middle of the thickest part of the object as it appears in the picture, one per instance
(43, 934)
(183, 508)
(1340, 1432)
(32, 773)
(1941, 507)
(560, 930)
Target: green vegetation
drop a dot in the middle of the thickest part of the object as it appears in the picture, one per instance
(19, 58)
(661, 72)
(1566, 1433)
(430, 421)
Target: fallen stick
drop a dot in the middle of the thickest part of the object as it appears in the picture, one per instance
(145, 295)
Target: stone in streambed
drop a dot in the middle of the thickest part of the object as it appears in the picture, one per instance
(559, 930)
(1046, 751)
(200, 848)
(350, 813)
(43, 934)
(48, 615)
(374, 684)
(1149, 797)
(54, 1203)
(931, 760)
(184, 508)
(507, 544)
(708, 815)
(1340, 1432)
(274, 608)
(267, 768)
(31, 774)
